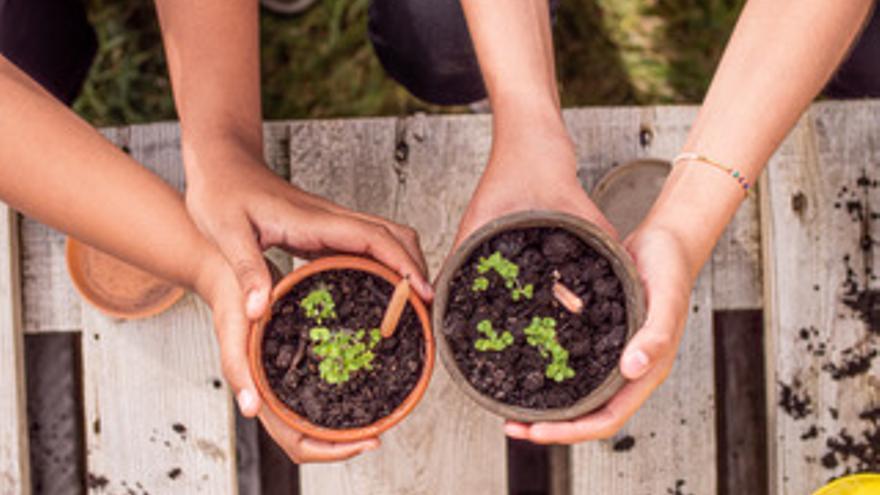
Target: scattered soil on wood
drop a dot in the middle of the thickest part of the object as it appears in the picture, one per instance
(594, 339)
(678, 489)
(859, 452)
(795, 402)
(369, 395)
(96, 481)
(624, 444)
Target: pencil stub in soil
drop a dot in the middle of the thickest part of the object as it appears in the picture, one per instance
(514, 341)
(323, 355)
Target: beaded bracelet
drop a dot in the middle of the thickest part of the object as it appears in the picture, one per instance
(736, 174)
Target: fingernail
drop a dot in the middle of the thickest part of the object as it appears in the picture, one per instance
(427, 289)
(635, 363)
(247, 401)
(255, 300)
(372, 446)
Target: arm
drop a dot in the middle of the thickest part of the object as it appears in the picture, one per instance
(56, 168)
(234, 199)
(532, 164)
(768, 75)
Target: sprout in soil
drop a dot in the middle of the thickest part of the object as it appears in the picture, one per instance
(319, 305)
(507, 270)
(344, 352)
(541, 333)
(493, 341)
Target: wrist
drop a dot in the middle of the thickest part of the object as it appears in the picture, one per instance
(207, 273)
(696, 204)
(206, 158)
(528, 146)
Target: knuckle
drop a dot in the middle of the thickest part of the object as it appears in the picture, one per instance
(661, 343)
(245, 270)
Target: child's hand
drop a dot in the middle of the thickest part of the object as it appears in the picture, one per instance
(535, 172)
(244, 208)
(218, 286)
(648, 358)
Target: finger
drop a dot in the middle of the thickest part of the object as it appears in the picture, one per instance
(517, 430)
(239, 246)
(660, 333)
(407, 236)
(352, 235)
(302, 449)
(608, 420)
(231, 326)
(320, 451)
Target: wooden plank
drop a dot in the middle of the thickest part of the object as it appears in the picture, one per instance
(819, 211)
(681, 412)
(50, 302)
(158, 418)
(674, 427)
(353, 162)
(14, 457)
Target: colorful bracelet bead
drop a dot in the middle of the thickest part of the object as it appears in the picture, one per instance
(696, 157)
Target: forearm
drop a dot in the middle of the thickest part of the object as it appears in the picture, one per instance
(514, 46)
(56, 168)
(213, 56)
(780, 56)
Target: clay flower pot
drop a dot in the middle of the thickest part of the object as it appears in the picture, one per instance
(551, 392)
(298, 280)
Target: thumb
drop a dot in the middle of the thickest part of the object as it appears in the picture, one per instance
(659, 335)
(232, 331)
(241, 250)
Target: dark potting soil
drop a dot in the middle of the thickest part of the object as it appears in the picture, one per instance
(369, 395)
(594, 339)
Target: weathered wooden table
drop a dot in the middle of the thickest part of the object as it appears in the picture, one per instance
(155, 418)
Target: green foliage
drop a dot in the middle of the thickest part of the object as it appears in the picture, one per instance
(343, 353)
(480, 284)
(319, 305)
(507, 270)
(493, 341)
(541, 333)
(321, 64)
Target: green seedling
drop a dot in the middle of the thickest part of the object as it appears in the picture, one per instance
(507, 270)
(344, 352)
(319, 305)
(541, 333)
(493, 341)
(481, 283)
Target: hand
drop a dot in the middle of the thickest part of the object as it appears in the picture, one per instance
(537, 171)
(219, 287)
(648, 358)
(244, 208)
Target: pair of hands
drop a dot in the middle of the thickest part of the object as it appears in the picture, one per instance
(244, 208)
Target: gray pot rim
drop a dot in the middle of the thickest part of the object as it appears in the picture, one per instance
(620, 261)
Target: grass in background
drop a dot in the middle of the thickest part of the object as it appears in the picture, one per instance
(321, 64)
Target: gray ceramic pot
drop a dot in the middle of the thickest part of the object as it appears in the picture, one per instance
(599, 241)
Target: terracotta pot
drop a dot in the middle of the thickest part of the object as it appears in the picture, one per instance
(299, 423)
(598, 240)
(116, 288)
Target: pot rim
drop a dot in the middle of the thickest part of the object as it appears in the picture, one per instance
(75, 249)
(620, 261)
(301, 424)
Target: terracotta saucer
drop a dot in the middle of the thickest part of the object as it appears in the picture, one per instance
(626, 193)
(115, 287)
